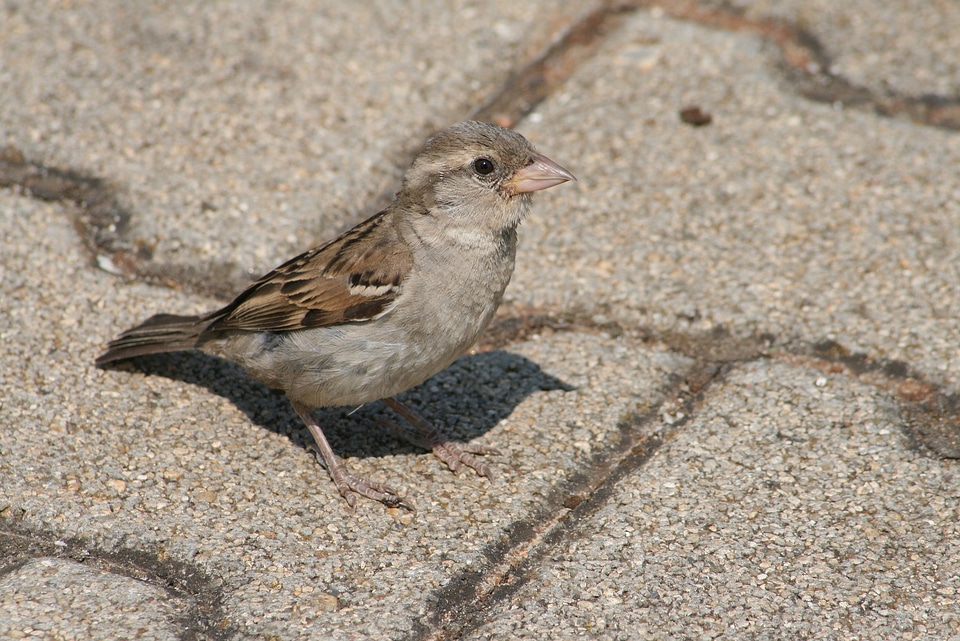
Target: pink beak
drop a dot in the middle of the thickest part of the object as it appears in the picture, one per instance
(542, 173)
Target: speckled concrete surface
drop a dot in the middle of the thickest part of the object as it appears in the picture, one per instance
(786, 496)
(57, 599)
(782, 216)
(225, 126)
(195, 463)
(884, 46)
(788, 508)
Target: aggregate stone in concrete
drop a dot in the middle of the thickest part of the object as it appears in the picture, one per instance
(52, 598)
(184, 459)
(243, 133)
(886, 46)
(789, 507)
(791, 498)
(781, 217)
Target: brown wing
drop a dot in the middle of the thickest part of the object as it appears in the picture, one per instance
(352, 278)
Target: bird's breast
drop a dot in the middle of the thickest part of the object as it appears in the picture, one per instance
(444, 304)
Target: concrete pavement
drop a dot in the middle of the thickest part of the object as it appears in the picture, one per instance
(724, 378)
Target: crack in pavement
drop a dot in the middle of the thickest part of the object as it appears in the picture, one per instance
(468, 595)
(930, 420)
(807, 65)
(465, 598)
(97, 215)
(103, 222)
(930, 417)
(204, 618)
(805, 62)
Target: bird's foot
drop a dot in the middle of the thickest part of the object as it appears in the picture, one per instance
(348, 484)
(454, 454)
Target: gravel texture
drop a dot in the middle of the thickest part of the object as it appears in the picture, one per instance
(788, 507)
(55, 599)
(883, 46)
(782, 217)
(190, 461)
(678, 462)
(226, 125)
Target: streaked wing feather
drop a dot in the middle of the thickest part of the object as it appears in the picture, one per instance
(352, 278)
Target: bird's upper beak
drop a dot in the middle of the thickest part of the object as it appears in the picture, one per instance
(539, 174)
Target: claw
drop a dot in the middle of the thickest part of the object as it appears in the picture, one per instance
(454, 454)
(348, 484)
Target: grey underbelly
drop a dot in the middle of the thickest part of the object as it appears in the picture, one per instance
(324, 367)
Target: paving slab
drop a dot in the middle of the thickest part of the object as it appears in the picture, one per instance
(186, 459)
(55, 598)
(884, 46)
(782, 217)
(703, 381)
(790, 506)
(238, 135)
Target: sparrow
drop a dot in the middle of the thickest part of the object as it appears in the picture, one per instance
(387, 304)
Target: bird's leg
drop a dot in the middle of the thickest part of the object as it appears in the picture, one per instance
(348, 484)
(454, 454)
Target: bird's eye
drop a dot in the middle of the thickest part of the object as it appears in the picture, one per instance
(483, 166)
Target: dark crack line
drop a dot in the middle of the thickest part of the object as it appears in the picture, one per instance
(98, 216)
(204, 619)
(102, 221)
(930, 414)
(930, 418)
(807, 65)
(539, 79)
(463, 603)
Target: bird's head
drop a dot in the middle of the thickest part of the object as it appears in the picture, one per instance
(480, 174)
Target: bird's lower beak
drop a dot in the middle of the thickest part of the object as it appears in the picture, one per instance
(542, 173)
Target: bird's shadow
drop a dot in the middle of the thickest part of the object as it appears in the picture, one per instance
(465, 401)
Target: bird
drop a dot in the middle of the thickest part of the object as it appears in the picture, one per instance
(387, 304)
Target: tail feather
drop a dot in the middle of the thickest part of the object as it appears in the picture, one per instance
(158, 334)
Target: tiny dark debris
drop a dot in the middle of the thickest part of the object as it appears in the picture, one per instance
(695, 116)
(807, 65)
